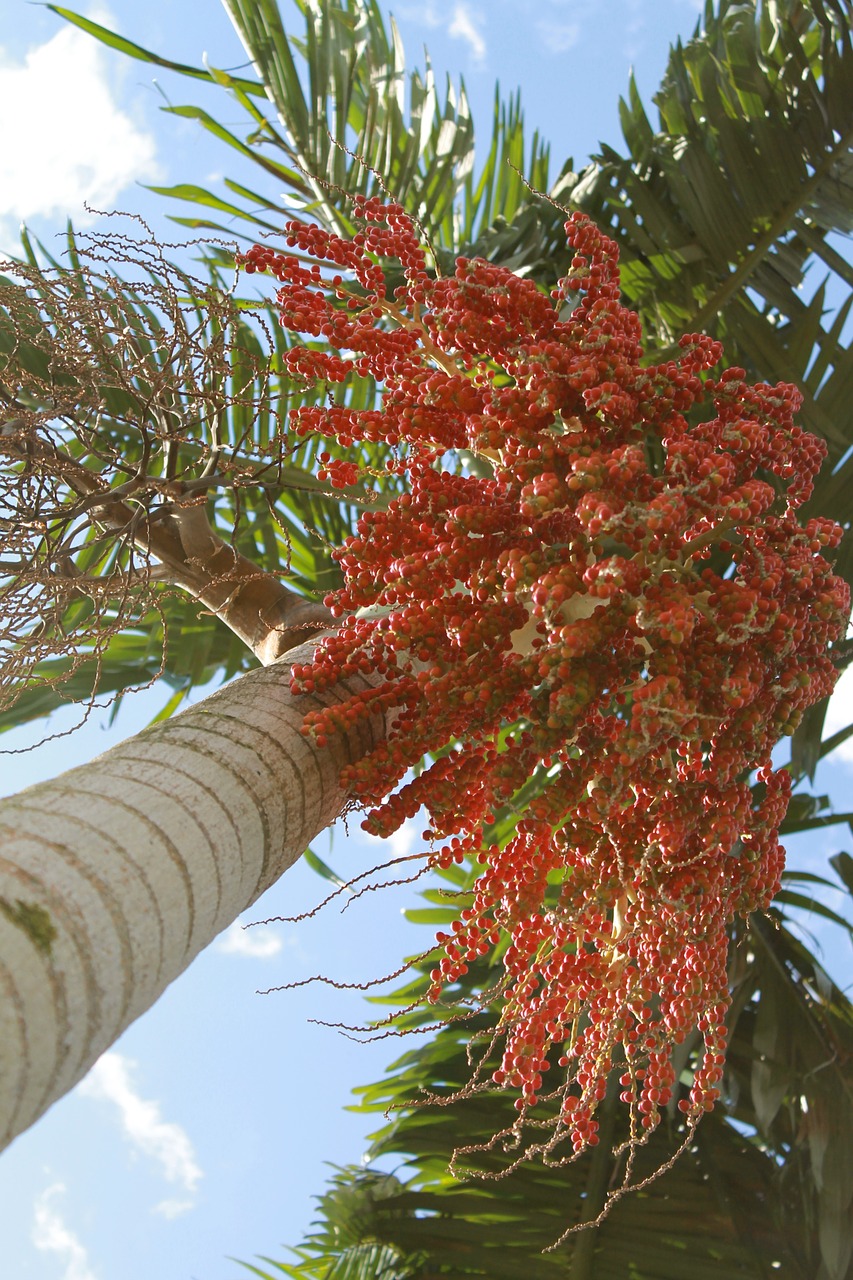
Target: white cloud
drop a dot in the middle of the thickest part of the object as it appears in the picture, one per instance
(401, 842)
(425, 13)
(75, 143)
(165, 1142)
(840, 714)
(464, 27)
(558, 37)
(259, 942)
(51, 1235)
(170, 1209)
(403, 839)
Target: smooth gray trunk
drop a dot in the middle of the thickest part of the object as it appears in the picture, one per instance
(114, 876)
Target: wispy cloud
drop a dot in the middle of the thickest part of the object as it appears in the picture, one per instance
(162, 1140)
(464, 26)
(457, 20)
(403, 839)
(170, 1209)
(259, 942)
(52, 1235)
(558, 37)
(425, 13)
(75, 144)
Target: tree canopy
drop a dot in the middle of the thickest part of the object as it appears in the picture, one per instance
(722, 209)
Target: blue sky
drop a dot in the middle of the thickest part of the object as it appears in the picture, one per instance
(202, 1136)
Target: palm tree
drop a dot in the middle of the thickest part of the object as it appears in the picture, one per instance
(142, 417)
(144, 473)
(735, 270)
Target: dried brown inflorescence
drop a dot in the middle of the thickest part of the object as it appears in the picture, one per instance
(138, 410)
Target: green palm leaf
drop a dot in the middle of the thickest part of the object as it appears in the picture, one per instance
(120, 393)
(732, 216)
(335, 116)
(730, 212)
(763, 1188)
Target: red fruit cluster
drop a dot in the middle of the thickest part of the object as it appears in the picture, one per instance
(603, 557)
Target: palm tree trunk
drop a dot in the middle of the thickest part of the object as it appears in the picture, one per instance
(114, 876)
